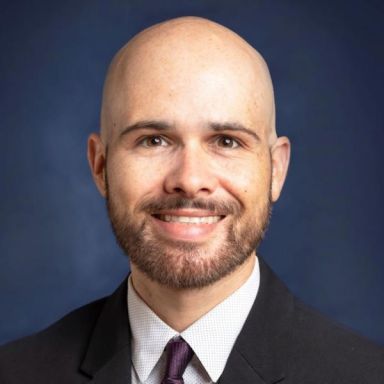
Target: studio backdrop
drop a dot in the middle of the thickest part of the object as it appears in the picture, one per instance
(326, 235)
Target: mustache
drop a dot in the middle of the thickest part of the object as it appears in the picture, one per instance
(219, 207)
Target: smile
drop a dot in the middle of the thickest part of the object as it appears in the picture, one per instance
(189, 219)
(187, 225)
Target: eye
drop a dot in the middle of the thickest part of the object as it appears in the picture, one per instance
(154, 141)
(227, 142)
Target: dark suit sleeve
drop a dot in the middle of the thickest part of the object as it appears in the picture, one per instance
(53, 355)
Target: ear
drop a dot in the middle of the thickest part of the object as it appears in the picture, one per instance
(280, 153)
(97, 161)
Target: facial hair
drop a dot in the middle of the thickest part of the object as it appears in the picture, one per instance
(181, 264)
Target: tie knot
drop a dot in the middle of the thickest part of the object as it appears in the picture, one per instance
(179, 354)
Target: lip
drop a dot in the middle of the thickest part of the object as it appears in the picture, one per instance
(187, 212)
(186, 231)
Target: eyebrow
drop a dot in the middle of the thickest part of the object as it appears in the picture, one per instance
(146, 124)
(163, 126)
(237, 127)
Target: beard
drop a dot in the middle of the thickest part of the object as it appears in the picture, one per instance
(182, 264)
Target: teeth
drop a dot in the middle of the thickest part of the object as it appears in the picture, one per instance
(190, 219)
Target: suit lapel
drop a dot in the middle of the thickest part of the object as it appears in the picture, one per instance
(238, 370)
(108, 357)
(258, 357)
(260, 352)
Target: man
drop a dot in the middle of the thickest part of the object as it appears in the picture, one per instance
(189, 163)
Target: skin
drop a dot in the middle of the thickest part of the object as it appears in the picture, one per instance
(185, 76)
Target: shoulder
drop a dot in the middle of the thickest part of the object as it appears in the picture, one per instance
(62, 344)
(303, 345)
(331, 350)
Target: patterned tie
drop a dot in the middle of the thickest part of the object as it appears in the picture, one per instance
(179, 353)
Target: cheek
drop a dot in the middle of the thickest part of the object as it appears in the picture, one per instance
(247, 180)
(131, 179)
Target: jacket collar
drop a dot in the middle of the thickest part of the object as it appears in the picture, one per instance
(108, 357)
(258, 355)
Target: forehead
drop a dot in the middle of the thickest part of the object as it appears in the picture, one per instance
(188, 86)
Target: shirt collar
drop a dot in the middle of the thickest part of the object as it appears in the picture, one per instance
(219, 327)
(150, 334)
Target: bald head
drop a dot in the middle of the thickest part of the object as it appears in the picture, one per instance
(188, 114)
(186, 59)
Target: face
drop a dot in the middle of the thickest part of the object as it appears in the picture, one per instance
(189, 172)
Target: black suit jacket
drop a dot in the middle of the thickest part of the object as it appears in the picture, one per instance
(282, 341)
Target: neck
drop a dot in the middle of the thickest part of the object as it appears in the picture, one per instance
(180, 308)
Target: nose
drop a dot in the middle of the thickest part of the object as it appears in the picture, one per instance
(191, 174)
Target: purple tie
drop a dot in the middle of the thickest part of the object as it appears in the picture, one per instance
(179, 353)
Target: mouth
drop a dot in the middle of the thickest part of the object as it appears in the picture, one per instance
(187, 225)
(188, 219)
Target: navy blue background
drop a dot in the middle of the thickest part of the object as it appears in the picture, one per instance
(325, 240)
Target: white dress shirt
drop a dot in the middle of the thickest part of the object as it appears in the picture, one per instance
(211, 337)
